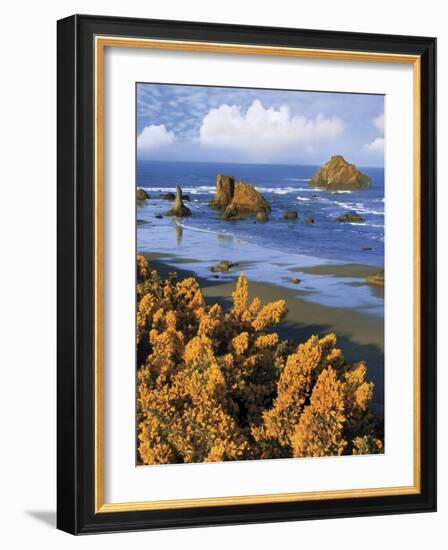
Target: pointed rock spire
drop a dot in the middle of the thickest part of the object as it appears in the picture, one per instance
(179, 209)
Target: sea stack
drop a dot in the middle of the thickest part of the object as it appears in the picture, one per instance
(225, 189)
(237, 199)
(339, 175)
(179, 209)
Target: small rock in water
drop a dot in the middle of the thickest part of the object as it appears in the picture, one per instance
(296, 280)
(141, 195)
(158, 216)
(262, 217)
(366, 248)
(231, 213)
(186, 198)
(224, 265)
(376, 279)
(291, 215)
(351, 217)
(142, 222)
(309, 220)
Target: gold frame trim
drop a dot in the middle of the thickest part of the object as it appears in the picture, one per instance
(101, 42)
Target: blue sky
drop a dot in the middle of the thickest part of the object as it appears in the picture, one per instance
(201, 123)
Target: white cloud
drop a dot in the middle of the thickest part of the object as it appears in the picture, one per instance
(265, 132)
(379, 122)
(376, 146)
(154, 137)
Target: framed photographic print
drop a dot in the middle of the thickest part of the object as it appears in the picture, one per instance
(246, 265)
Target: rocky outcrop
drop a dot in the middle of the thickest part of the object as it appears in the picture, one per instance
(179, 209)
(237, 199)
(141, 195)
(309, 220)
(248, 200)
(351, 217)
(338, 174)
(225, 189)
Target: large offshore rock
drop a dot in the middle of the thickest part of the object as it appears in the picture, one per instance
(247, 200)
(338, 174)
(237, 199)
(225, 189)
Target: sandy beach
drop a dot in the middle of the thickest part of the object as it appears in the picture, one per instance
(360, 335)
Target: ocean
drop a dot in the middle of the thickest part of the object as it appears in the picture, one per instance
(272, 251)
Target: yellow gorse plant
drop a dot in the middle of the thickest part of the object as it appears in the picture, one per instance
(215, 385)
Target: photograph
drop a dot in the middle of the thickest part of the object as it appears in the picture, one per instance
(227, 265)
(260, 237)
(246, 323)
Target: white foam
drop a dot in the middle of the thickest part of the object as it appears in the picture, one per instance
(219, 233)
(366, 211)
(348, 206)
(200, 189)
(277, 190)
(205, 189)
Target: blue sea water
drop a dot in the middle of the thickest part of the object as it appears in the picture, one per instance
(271, 249)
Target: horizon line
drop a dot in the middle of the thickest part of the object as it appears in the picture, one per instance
(250, 163)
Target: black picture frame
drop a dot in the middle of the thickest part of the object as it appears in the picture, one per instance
(76, 273)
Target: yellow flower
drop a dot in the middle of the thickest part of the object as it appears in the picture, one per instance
(267, 341)
(240, 343)
(270, 314)
(319, 431)
(215, 385)
(240, 295)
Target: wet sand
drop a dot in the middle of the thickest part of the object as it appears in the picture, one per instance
(340, 270)
(360, 335)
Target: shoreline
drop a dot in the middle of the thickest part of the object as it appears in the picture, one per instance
(360, 334)
(341, 270)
